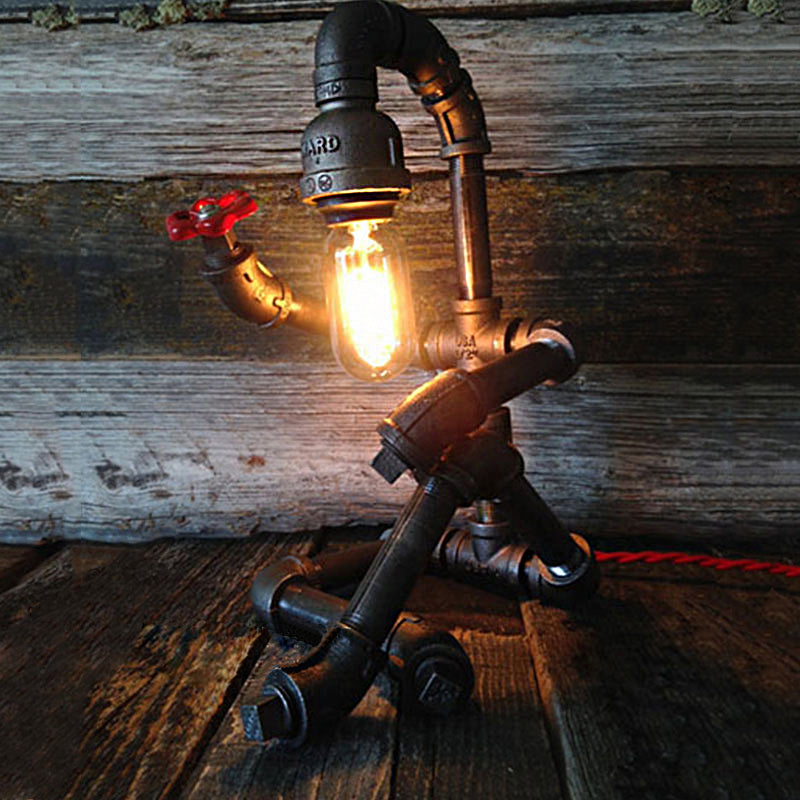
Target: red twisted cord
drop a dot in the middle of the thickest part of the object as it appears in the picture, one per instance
(743, 564)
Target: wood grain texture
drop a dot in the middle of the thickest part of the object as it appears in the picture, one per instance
(673, 684)
(264, 10)
(353, 761)
(117, 666)
(582, 92)
(134, 450)
(681, 266)
(497, 747)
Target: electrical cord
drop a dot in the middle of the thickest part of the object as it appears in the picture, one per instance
(722, 564)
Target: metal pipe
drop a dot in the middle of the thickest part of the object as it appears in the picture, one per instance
(308, 315)
(254, 293)
(434, 673)
(380, 596)
(308, 611)
(515, 570)
(292, 575)
(326, 684)
(470, 226)
(478, 336)
(504, 379)
(344, 566)
(354, 39)
(456, 402)
(533, 520)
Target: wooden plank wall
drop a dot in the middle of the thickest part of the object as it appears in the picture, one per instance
(645, 183)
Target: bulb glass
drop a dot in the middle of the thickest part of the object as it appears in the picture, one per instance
(369, 300)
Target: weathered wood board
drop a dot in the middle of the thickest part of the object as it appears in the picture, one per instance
(588, 92)
(651, 266)
(257, 10)
(654, 265)
(139, 449)
(124, 667)
(118, 665)
(674, 682)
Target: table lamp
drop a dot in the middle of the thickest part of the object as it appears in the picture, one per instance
(453, 433)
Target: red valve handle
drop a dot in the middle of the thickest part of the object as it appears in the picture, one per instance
(231, 207)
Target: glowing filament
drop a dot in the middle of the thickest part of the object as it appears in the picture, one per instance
(369, 313)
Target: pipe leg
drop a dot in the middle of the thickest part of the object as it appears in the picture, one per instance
(402, 559)
(564, 571)
(313, 694)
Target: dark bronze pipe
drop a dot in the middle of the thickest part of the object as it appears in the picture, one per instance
(380, 596)
(434, 672)
(254, 293)
(310, 695)
(471, 226)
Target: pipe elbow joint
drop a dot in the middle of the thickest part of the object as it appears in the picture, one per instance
(352, 41)
(313, 694)
(269, 583)
(247, 287)
(564, 586)
(358, 36)
(555, 334)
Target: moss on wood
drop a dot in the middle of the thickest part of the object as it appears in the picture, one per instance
(55, 17)
(171, 12)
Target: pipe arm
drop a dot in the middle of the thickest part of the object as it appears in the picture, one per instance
(254, 293)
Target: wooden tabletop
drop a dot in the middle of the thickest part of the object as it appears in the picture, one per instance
(122, 669)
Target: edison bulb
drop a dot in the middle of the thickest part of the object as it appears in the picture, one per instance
(368, 290)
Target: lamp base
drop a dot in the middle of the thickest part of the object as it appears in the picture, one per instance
(300, 598)
(454, 437)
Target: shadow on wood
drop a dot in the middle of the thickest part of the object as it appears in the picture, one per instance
(673, 688)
